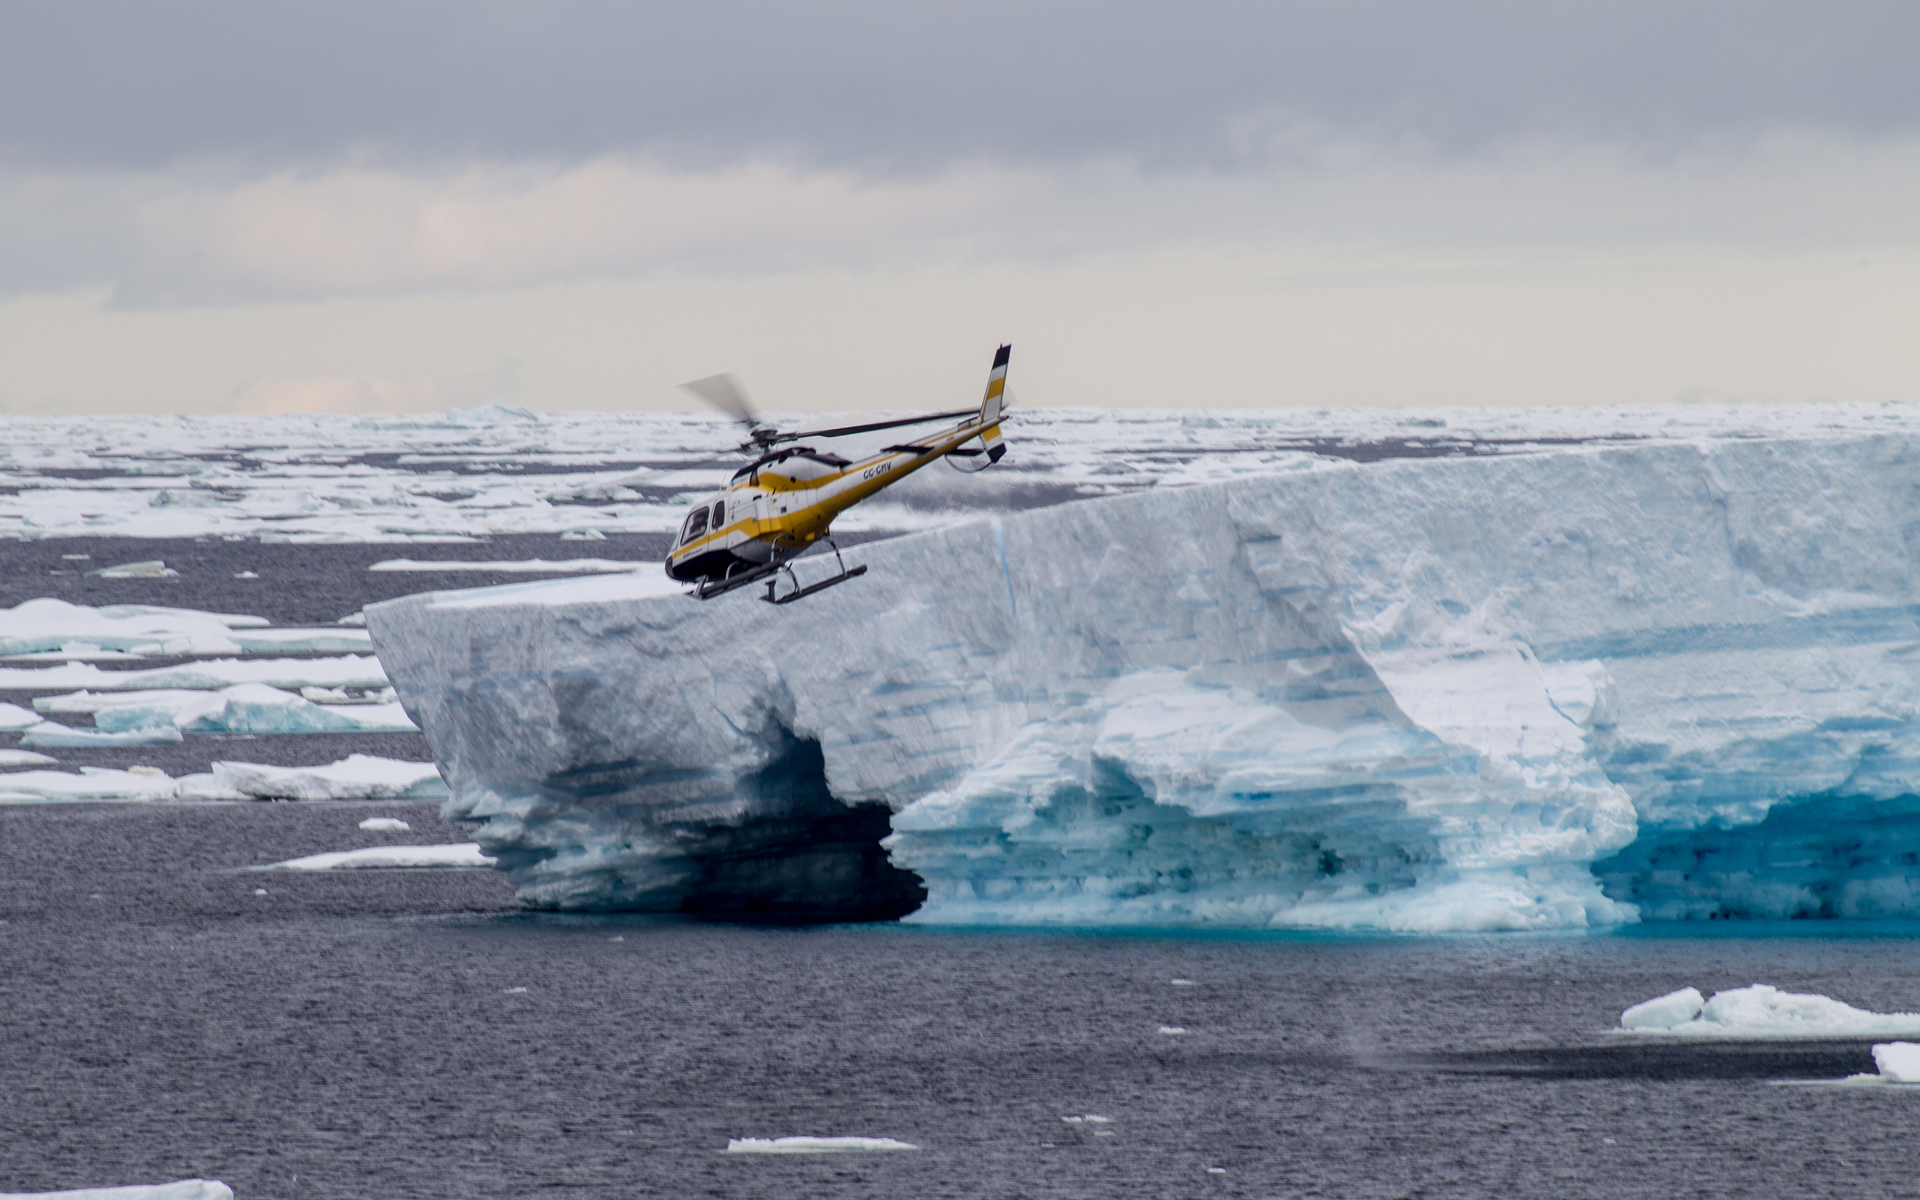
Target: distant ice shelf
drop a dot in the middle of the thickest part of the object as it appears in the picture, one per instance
(1567, 688)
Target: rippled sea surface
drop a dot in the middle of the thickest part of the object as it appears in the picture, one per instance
(402, 1034)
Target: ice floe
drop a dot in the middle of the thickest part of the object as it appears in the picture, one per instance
(185, 1189)
(535, 566)
(1760, 1011)
(385, 825)
(815, 1145)
(24, 758)
(356, 777)
(46, 625)
(461, 855)
(243, 708)
(13, 718)
(89, 784)
(353, 670)
(154, 569)
(51, 735)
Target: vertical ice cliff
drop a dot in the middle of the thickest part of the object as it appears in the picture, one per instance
(1417, 695)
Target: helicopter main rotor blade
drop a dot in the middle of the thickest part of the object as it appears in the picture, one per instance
(843, 430)
(725, 393)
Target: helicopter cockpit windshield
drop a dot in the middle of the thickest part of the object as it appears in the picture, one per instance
(695, 526)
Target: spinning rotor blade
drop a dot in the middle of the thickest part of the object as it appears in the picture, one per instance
(725, 393)
(842, 430)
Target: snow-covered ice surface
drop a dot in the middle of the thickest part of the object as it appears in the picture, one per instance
(185, 1189)
(1671, 674)
(89, 783)
(1760, 1011)
(38, 626)
(461, 855)
(815, 1145)
(353, 670)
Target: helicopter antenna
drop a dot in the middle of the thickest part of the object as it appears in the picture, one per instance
(725, 393)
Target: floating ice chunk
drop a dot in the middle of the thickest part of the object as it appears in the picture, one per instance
(1088, 1119)
(1899, 1062)
(24, 758)
(1174, 1029)
(154, 569)
(356, 777)
(358, 619)
(464, 854)
(1183, 983)
(205, 787)
(353, 670)
(1763, 1011)
(51, 735)
(385, 825)
(245, 575)
(331, 640)
(185, 1189)
(814, 1145)
(1664, 1012)
(91, 784)
(14, 718)
(533, 566)
(245, 708)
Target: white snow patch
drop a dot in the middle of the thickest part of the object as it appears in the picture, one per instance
(815, 1145)
(185, 1189)
(1763, 1011)
(464, 854)
(385, 825)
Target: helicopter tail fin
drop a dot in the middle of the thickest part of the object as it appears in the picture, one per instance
(993, 406)
(995, 402)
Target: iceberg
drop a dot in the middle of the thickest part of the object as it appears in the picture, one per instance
(51, 735)
(1424, 695)
(1760, 1011)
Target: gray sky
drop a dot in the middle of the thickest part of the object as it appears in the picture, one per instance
(231, 206)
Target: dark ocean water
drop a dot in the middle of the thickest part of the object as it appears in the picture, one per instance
(364, 1035)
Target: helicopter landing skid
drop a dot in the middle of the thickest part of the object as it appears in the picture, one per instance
(720, 587)
(799, 592)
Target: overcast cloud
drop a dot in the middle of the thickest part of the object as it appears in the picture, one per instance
(221, 157)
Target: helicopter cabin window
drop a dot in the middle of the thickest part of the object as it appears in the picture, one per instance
(719, 513)
(696, 525)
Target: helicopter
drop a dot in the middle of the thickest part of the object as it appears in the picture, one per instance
(779, 505)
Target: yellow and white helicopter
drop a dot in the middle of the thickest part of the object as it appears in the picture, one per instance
(785, 500)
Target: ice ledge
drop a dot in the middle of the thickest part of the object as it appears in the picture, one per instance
(1422, 695)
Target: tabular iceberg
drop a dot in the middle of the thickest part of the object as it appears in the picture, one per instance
(1547, 690)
